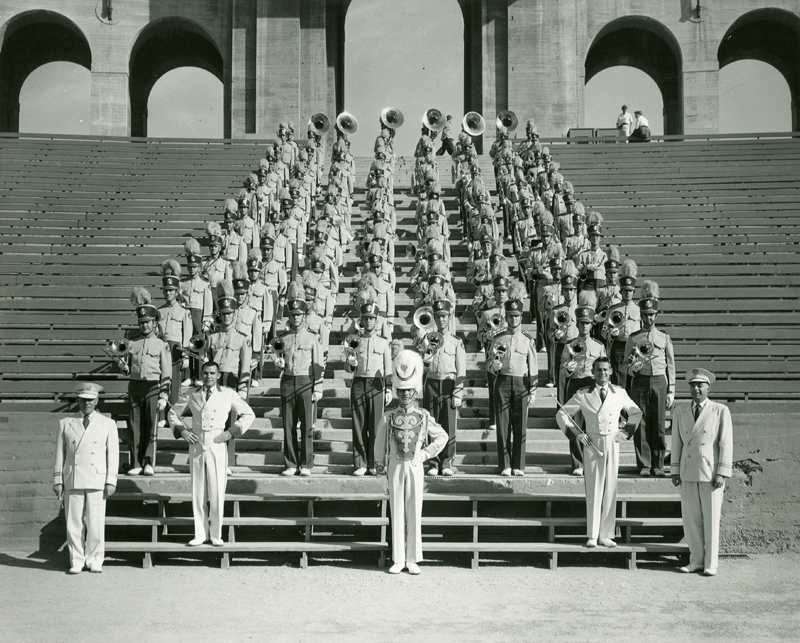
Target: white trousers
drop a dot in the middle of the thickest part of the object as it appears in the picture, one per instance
(208, 467)
(600, 475)
(405, 506)
(701, 506)
(85, 507)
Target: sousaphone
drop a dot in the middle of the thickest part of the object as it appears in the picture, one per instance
(434, 120)
(320, 122)
(474, 124)
(392, 117)
(347, 123)
(507, 120)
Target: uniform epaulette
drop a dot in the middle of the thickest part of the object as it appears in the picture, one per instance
(529, 336)
(638, 332)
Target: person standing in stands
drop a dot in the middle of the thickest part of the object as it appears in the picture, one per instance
(84, 476)
(211, 406)
(624, 122)
(702, 455)
(448, 143)
(150, 368)
(641, 129)
(174, 324)
(198, 299)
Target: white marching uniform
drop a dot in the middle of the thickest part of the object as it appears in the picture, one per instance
(600, 471)
(399, 438)
(86, 460)
(208, 460)
(701, 449)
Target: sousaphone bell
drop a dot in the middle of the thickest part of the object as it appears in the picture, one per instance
(507, 120)
(392, 117)
(321, 123)
(474, 124)
(434, 120)
(347, 123)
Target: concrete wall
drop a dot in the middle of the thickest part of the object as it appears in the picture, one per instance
(282, 59)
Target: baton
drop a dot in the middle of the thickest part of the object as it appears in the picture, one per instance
(575, 424)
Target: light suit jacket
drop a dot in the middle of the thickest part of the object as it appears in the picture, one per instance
(86, 458)
(704, 448)
(600, 417)
(211, 414)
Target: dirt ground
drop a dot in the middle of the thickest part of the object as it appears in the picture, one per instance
(586, 599)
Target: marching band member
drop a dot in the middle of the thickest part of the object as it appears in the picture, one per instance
(174, 324)
(259, 298)
(211, 406)
(400, 453)
(233, 246)
(590, 262)
(577, 358)
(216, 267)
(150, 368)
(650, 361)
(444, 385)
(230, 349)
(248, 317)
(512, 359)
(198, 299)
(562, 325)
(600, 405)
(301, 363)
(621, 321)
(551, 298)
(370, 361)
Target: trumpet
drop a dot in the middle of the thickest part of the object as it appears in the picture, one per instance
(497, 355)
(423, 319)
(118, 350)
(197, 346)
(576, 348)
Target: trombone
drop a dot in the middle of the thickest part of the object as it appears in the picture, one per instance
(429, 344)
(197, 347)
(576, 348)
(615, 322)
(641, 353)
(118, 350)
(496, 356)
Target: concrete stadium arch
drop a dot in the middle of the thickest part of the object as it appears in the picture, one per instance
(771, 36)
(647, 45)
(28, 41)
(160, 47)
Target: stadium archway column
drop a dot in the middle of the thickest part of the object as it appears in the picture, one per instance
(28, 41)
(647, 45)
(164, 45)
(771, 36)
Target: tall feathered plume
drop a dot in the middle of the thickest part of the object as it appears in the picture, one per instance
(366, 295)
(223, 288)
(317, 254)
(649, 290)
(587, 298)
(369, 279)
(435, 293)
(440, 268)
(230, 206)
(569, 269)
(191, 247)
(577, 208)
(213, 228)
(309, 278)
(546, 218)
(238, 270)
(516, 290)
(254, 253)
(140, 296)
(170, 267)
(628, 268)
(295, 289)
(555, 166)
(594, 218)
(500, 269)
(613, 253)
(539, 209)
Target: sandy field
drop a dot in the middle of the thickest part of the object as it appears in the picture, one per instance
(586, 599)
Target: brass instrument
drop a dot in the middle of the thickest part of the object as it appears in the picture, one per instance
(473, 123)
(434, 120)
(576, 348)
(642, 352)
(197, 346)
(492, 327)
(498, 353)
(507, 120)
(347, 123)
(411, 251)
(392, 117)
(277, 346)
(429, 344)
(423, 319)
(615, 322)
(562, 319)
(118, 350)
(204, 274)
(320, 122)
(352, 342)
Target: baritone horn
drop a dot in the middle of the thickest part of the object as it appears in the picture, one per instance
(507, 120)
(433, 119)
(347, 123)
(423, 319)
(429, 345)
(562, 319)
(197, 346)
(118, 350)
(496, 356)
(277, 346)
(392, 118)
(640, 353)
(474, 124)
(320, 122)
(615, 320)
(576, 348)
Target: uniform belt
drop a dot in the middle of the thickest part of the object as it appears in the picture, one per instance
(440, 376)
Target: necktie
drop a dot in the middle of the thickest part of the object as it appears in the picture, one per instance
(603, 394)
(208, 394)
(696, 411)
(85, 421)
